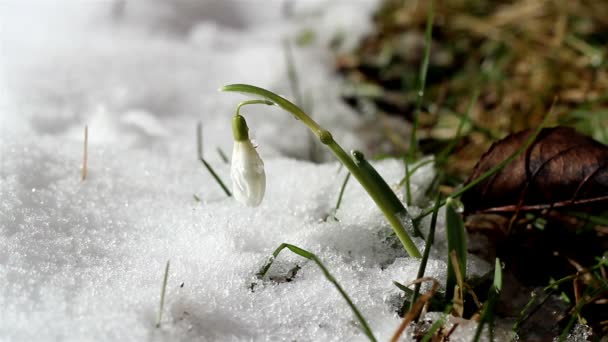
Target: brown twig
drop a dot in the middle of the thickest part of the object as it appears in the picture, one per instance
(417, 307)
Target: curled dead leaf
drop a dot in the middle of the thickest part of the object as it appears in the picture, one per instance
(561, 168)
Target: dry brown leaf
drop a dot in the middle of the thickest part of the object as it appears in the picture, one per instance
(561, 168)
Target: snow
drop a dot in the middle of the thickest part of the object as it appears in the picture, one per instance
(84, 260)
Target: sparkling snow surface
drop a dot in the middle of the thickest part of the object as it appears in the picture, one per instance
(83, 261)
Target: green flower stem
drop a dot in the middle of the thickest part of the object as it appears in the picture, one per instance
(382, 199)
(251, 102)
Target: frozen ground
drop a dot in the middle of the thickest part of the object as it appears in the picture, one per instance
(84, 260)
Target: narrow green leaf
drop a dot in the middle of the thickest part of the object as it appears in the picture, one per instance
(487, 313)
(422, 79)
(438, 324)
(457, 241)
(342, 188)
(430, 239)
(222, 155)
(163, 290)
(403, 288)
(391, 200)
(310, 256)
(199, 138)
(408, 184)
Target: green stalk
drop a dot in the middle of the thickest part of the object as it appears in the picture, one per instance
(163, 290)
(422, 80)
(383, 199)
(457, 242)
(427, 250)
(438, 324)
(487, 312)
(341, 193)
(310, 256)
(408, 188)
(199, 138)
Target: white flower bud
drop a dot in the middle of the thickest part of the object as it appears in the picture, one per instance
(247, 169)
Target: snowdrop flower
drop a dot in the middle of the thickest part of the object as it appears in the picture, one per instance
(247, 170)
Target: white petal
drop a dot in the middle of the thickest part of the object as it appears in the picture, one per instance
(247, 173)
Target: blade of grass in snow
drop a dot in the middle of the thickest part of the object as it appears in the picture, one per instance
(162, 296)
(457, 242)
(408, 187)
(590, 294)
(495, 169)
(223, 155)
(422, 80)
(379, 185)
(434, 302)
(438, 324)
(404, 288)
(487, 313)
(310, 256)
(413, 170)
(528, 310)
(85, 156)
(342, 188)
(417, 307)
(199, 139)
(427, 249)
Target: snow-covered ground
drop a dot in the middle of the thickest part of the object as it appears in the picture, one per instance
(84, 260)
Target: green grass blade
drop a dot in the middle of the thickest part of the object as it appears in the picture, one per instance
(376, 181)
(487, 313)
(599, 220)
(422, 80)
(415, 168)
(222, 155)
(342, 188)
(438, 324)
(427, 250)
(445, 154)
(389, 198)
(292, 75)
(310, 256)
(408, 186)
(457, 241)
(404, 288)
(199, 139)
(163, 290)
(590, 292)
